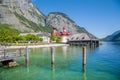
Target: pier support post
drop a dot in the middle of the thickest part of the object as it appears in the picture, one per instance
(84, 59)
(4, 53)
(97, 43)
(20, 52)
(27, 56)
(52, 57)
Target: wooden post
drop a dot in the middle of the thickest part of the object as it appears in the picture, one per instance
(52, 57)
(84, 75)
(27, 56)
(84, 59)
(84, 55)
(4, 53)
(84, 68)
(97, 43)
(91, 44)
(20, 52)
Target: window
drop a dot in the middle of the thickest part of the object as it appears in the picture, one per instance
(72, 38)
(77, 38)
(83, 37)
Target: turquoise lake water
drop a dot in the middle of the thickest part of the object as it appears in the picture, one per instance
(103, 63)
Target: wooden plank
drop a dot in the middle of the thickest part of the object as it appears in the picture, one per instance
(10, 58)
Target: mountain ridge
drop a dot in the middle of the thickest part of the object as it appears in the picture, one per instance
(113, 37)
(24, 16)
(60, 20)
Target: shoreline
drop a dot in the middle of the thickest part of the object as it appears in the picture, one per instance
(35, 46)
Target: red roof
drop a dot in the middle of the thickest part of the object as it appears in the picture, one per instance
(61, 33)
(57, 33)
(65, 33)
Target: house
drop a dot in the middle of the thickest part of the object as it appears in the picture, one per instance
(82, 39)
(45, 36)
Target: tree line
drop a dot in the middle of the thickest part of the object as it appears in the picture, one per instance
(11, 35)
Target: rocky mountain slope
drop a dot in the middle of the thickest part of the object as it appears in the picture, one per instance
(25, 17)
(59, 20)
(22, 14)
(114, 37)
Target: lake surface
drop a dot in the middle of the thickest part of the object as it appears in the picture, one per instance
(103, 63)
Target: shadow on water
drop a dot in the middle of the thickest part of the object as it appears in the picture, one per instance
(92, 49)
(28, 69)
(64, 48)
(84, 72)
(53, 72)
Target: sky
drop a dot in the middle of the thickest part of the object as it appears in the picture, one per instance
(99, 17)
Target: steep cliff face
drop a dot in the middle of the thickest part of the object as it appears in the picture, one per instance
(113, 37)
(22, 14)
(60, 20)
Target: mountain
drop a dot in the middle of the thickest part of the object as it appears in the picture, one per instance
(114, 37)
(59, 20)
(24, 16)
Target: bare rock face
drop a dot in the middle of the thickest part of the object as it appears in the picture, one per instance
(22, 14)
(60, 20)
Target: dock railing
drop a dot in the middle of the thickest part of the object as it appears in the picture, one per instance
(8, 54)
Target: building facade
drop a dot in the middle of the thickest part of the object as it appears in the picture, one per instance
(64, 34)
(83, 39)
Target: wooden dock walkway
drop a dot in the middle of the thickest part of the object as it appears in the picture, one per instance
(10, 54)
(13, 52)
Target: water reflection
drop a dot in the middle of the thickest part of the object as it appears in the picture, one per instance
(92, 49)
(28, 69)
(64, 50)
(45, 50)
(84, 72)
(84, 76)
(52, 67)
(53, 72)
(84, 68)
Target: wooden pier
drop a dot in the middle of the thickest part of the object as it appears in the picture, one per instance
(7, 55)
(10, 54)
(84, 42)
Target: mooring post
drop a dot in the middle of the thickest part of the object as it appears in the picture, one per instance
(27, 56)
(84, 58)
(52, 57)
(97, 43)
(20, 52)
(84, 55)
(4, 53)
